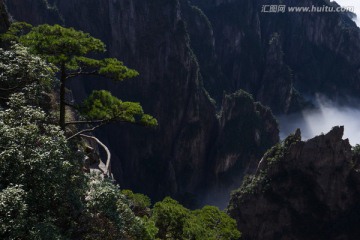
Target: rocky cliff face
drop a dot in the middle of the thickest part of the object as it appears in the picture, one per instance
(37, 11)
(240, 136)
(4, 20)
(321, 50)
(182, 156)
(302, 190)
(237, 44)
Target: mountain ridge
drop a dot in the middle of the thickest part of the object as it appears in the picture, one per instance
(301, 190)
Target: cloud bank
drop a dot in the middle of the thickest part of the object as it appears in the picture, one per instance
(321, 119)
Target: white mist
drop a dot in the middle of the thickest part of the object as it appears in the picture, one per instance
(327, 114)
(352, 3)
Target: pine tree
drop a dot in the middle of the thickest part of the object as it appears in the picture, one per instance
(69, 50)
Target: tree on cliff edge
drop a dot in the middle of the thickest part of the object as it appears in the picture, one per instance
(69, 50)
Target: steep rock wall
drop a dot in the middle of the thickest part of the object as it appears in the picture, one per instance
(320, 49)
(4, 19)
(302, 190)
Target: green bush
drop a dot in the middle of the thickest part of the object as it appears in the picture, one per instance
(176, 222)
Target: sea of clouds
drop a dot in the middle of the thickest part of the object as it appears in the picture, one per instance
(326, 114)
(322, 118)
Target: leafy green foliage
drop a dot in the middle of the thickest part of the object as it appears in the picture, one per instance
(15, 31)
(69, 47)
(139, 203)
(104, 200)
(212, 224)
(261, 182)
(13, 210)
(44, 194)
(24, 72)
(35, 156)
(176, 222)
(114, 69)
(58, 44)
(170, 218)
(42, 188)
(356, 155)
(103, 105)
(356, 150)
(251, 184)
(277, 152)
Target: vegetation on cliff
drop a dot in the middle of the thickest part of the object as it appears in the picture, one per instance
(44, 192)
(302, 190)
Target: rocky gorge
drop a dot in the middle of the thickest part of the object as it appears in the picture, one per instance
(208, 71)
(183, 156)
(193, 58)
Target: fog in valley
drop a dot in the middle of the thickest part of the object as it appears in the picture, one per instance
(320, 119)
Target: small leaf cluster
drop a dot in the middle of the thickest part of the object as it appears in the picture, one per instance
(139, 203)
(103, 105)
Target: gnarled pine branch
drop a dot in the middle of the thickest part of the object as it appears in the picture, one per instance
(108, 154)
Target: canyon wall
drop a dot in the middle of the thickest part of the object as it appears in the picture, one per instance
(302, 190)
(4, 20)
(280, 58)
